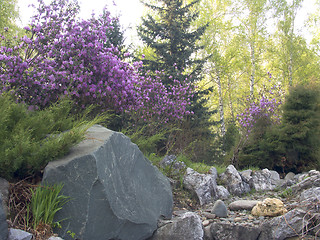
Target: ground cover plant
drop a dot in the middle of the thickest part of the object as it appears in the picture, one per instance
(30, 139)
(46, 201)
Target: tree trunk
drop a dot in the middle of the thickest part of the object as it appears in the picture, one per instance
(221, 111)
(253, 71)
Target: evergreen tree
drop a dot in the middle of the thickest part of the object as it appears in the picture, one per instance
(300, 131)
(168, 32)
(115, 34)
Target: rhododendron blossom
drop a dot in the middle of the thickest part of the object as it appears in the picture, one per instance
(64, 55)
(267, 106)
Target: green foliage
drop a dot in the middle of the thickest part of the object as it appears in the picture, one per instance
(29, 139)
(286, 193)
(46, 201)
(294, 144)
(300, 128)
(147, 144)
(168, 31)
(263, 149)
(171, 41)
(196, 139)
(8, 15)
(231, 136)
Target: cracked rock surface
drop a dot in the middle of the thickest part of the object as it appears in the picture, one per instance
(115, 191)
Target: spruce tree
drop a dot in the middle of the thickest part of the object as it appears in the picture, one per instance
(168, 32)
(301, 128)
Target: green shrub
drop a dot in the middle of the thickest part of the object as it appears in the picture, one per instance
(263, 148)
(294, 144)
(300, 133)
(147, 143)
(29, 139)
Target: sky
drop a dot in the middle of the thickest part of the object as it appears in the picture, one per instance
(130, 12)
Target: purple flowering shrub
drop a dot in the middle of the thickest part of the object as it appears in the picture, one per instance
(265, 108)
(63, 55)
(259, 144)
(158, 103)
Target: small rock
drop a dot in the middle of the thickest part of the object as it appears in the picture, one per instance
(246, 175)
(222, 192)
(55, 238)
(17, 234)
(171, 162)
(234, 182)
(220, 209)
(242, 205)
(269, 207)
(233, 231)
(205, 223)
(207, 233)
(209, 215)
(237, 219)
(203, 186)
(187, 226)
(289, 176)
(265, 180)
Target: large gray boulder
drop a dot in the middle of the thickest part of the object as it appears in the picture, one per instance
(116, 193)
(187, 226)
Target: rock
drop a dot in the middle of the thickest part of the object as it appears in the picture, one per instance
(170, 161)
(309, 201)
(116, 193)
(231, 231)
(4, 191)
(314, 173)
(269, 207)
(282, 227)
(207, 233)
(309, 181)
(209, 215)
(213, 171)
(310, 194)
(220, 209)
(17, 234)
(222, 192)
(246, 175)
(3, 222)
(204, 186)
(265, 180)
(188, 226)
(289, 176)
(55, 238)
(205, 223)
(242, 205)
(233, 181)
